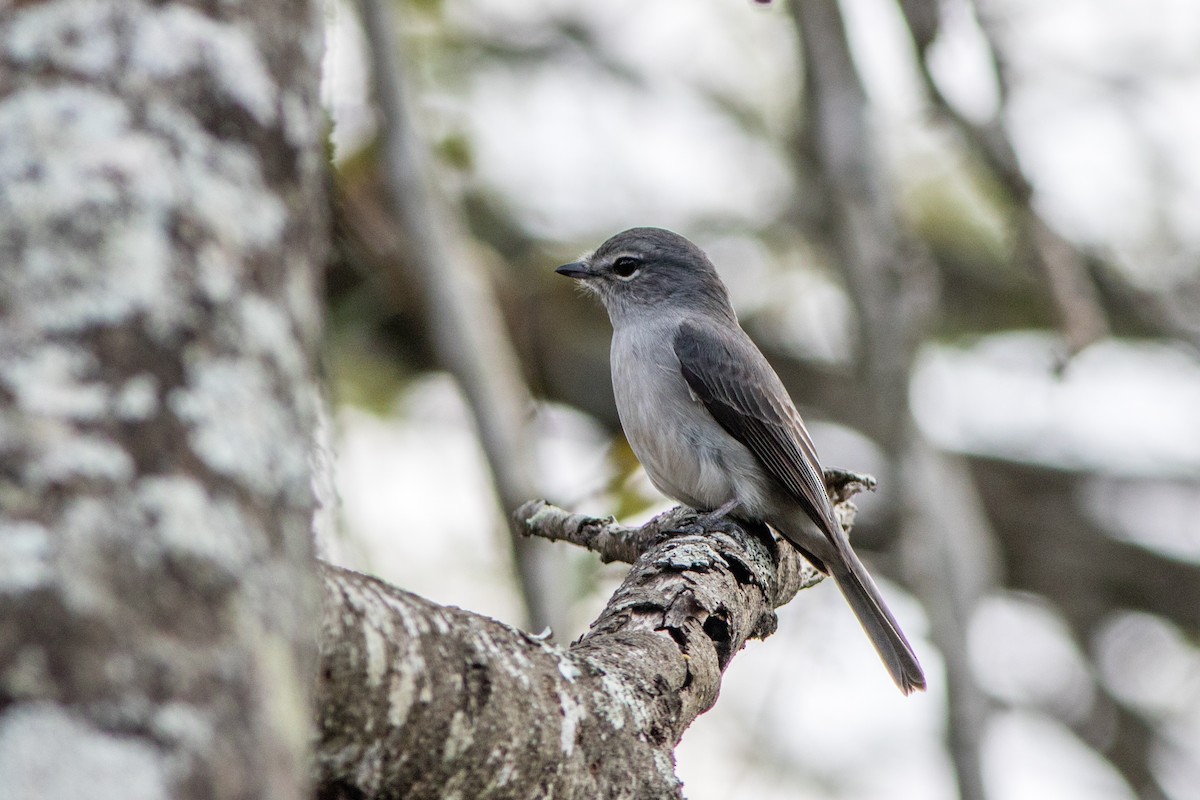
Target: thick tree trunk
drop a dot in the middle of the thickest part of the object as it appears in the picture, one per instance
(161, 226)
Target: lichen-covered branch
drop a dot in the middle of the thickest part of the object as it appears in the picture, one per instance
(421, 701)
(417, 700)
(615, 542)
(606, 537)
(161, 230)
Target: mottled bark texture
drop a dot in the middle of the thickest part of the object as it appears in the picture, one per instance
(417, 700)
(161, 226)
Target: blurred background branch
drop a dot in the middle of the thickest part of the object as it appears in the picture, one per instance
(966, 243)
(460, 311)
(1063, 268)
(894, 286)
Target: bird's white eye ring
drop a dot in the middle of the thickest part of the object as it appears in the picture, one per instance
(626, 266)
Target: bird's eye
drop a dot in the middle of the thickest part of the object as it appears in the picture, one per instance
(626, 266)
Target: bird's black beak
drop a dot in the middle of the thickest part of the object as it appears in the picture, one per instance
(576, 269)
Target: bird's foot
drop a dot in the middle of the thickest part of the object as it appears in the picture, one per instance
(717, 518)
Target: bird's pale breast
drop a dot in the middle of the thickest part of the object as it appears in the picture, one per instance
(685, 452)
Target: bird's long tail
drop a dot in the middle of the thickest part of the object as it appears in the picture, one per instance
(873, 614)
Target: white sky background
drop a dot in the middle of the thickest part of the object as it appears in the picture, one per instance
(579, 155)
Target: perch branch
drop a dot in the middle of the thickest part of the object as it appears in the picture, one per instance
(615, 542)
(417, 700)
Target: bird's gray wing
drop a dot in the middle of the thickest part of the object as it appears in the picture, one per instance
(733, 380)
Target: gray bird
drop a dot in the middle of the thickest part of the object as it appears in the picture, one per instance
(710, 420)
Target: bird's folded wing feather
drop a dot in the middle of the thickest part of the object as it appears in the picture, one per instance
(738, 387)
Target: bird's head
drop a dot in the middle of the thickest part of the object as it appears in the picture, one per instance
(650, 271)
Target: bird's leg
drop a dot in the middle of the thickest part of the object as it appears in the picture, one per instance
(720, 513)
(714, 518)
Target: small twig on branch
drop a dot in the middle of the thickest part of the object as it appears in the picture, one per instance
(605, 537)
(615, 542)
(841, 485)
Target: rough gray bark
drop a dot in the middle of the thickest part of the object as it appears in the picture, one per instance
(417, 700)
(161, 227)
